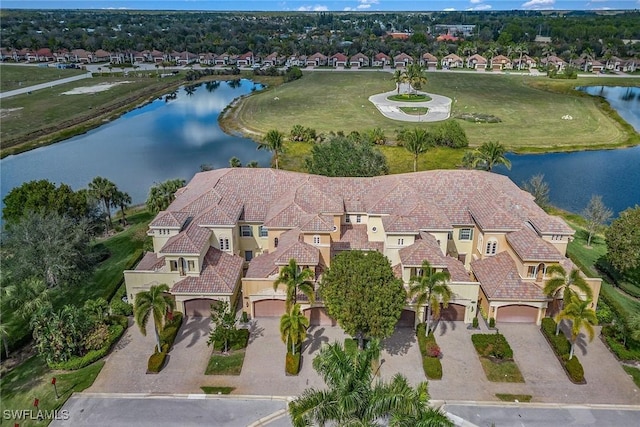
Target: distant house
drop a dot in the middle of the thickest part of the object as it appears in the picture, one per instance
(399, 35)
(156, 56)
(452, 61)
(101, 55)
(186, 58)
(501, 62)
(272, 60)
(223, 59)
(359, 60)
(447, 38)
(402, 60)
(631, 65)
(207, 58)
(79, 55)
(428, 60)
(139, 56)
(381, 60)
(597, 66)
(614, 64)
(477, 62)
(117, 57)
(316, 60)
(5, 54)
(554, 61)
(245, 60)
(338, 60)
(44, 54)
(526, 63)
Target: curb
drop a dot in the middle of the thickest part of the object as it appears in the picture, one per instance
(269, 418)
(188, 396)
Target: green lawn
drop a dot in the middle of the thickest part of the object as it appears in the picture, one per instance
(32, 380)
(230, 364)
(405, 97)
(635, 374)
(501, 372)
(339, 101)
(217, 390)
(414, 111)
(505, 397)
(17, 76)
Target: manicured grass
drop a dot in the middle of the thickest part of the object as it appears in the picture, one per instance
(505, 397)
(32, 380)
(18, 76)
(217, 390)
(634, 372)
(231, 364)
(496, 358)
(415, 111)
(406, 97)
(339, 101)
(501, 372)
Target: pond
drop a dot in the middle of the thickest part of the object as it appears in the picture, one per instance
(159, 141)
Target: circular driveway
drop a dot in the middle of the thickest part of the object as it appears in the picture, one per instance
(439, 107)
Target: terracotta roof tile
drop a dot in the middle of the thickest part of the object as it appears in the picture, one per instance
(190, 241)
(354, 236)
(456, 270)
(150, 262)
(166, 219)
(530, 247)
(399, 224)
(220, 274)
(424, 249)
(499, 279)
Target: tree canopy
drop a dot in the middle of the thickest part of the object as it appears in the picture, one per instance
(342, 156)
(362, 294)
(161, 195)
(623, 240)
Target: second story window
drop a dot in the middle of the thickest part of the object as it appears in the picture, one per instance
(263, 232)
(358, 219)
(491, 248)
(224, 244)
(347, 219)
(316, 240)
(400, 242)
(246, 231)
(465, 234)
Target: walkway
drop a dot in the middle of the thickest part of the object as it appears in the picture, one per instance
(40, 86)
(439, 108)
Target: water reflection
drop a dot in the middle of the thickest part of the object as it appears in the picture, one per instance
(625, 100)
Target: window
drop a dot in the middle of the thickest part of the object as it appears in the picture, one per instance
(335, 228)
(450, 235)
(248, 255)
(358, 219)
(492, 247)
(263, 231)
(347, 219)
(173, 265)
(246, 231)
(275, 242)
(400, 242)
(374, 229)
(316, 240)
(465, 234)
(224, 244)
(531, 271)
(556, 237)
(191, 265)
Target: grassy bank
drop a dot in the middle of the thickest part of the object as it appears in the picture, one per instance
(339, 101)
(19, 76)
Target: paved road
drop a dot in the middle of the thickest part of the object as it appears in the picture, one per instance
(532, 415)
(33, 88)
(439, 107)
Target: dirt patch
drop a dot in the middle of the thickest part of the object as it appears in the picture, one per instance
(6, 112)
(84, 90)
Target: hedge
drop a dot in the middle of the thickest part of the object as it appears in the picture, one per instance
(115, 319)
(156, 362)
(428, 346)
(574, 369)
(493, 345)
(237, 342)
(115, 332)
(170, 330)
(292, 363)
(562, 347)
(432, 368)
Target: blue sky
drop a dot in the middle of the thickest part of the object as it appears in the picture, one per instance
(325, 5)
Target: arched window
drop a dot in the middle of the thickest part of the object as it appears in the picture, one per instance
(492, 247)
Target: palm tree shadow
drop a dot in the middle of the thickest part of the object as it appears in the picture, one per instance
(581, 343)
(255, 331)
(400, 342)
(194, 328)
(316, 339)
(443, 326)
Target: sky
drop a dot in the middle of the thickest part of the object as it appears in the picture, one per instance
(325, 5)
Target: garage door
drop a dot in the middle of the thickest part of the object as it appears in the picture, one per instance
(407, 319)
(319, 317)
(453, 313)
(200, 307)
(517, 314)
(269, 308)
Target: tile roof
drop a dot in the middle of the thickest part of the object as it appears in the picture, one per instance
(399, 224)
(499, 279)
(220, 274)
(354, 236)
(456, 270)
(530, 247)
(424, 249)
(303, 253)
(166, 219)
(289, 246)
(316, 223)
(190, 241)
(150, 262)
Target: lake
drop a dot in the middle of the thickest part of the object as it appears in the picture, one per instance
(159, 141)
(171, 139)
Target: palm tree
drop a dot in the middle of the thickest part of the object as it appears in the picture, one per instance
(416, 142)
(490, 154)
(295, 279)
(561, 282)
(588, 56)
(234, 162)
(376, 136)
(103, 189)
(399, 77)
(252, 164)
(353, 397)
(27, 297)
(161, 195)
(4, 336)
(121, 200)
(293, 327)
(274, 142)
(430, 289)
(581, 316)
(416, 76)
(154, 302)
(521, 49)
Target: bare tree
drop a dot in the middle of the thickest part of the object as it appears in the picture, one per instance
(596, 214)
(539, 189)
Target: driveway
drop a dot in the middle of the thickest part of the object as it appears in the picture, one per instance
(439, 107)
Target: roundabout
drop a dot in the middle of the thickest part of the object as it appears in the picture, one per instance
(438, 108)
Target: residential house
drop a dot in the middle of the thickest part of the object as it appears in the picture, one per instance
(223, 59)
(447, 38)
(79, 55)
(501, 62)
(316, 60)
(140, 56)
(631, 65)
(477, 62)
(296, 61)
(553, 61)
(614, 64)
(428, 60)
(338, 60)
(359, 60)
(526, 63)
(6, 54)
(245, 60)
(101, 55)
(597, 66)
(186, 58)
(207, 58)
(402, 60)
(452, 61)
(272, 60)
(487, 233)
(381, 60)
(156, 56)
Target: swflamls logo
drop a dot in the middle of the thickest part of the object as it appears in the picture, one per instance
(30, 414)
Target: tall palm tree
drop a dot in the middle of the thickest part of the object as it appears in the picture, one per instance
(293, 327)
(416, 142)
(274, 142)
(161, 195)
(416, 76)
(430, 289)
(154, 302)
(490, 154)
(399, 77)
(27, 297)
(295, 279)
(234, 162)
(121, 200)
(580, 314)
(521, 49)
(561, 282)
(588, 56)
(103, 189)
(354, 397)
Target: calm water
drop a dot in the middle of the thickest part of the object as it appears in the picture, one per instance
(164, 140)
(625, 100)
(159, 141)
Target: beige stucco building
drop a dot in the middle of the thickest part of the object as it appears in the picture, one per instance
(230, 231)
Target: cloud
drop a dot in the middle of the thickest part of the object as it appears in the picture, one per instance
(480, 7)
(315, 8)
(475, 1)
(452, 9)
(539, 4)
(366, 4)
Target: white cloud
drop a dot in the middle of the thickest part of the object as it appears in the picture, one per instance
(480, 7)
(366, 4)
(539, 4)
(316, 8)
(475, 1)
(452, 9)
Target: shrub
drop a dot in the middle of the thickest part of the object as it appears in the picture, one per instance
(115, 332)
(575, 370)
(492, 322)
(559, 342)
(156, 362)
(118, 320)
(245, 317)
(168, 336)
(350, 345)
(97, 338)
(239, 340)
(451, 134)
(432, 368)
(475, 323)
(120, 308)
(492, 345)
(433, 350)
(292, 363)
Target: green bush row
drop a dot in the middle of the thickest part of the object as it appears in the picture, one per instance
(432, 368)
(292, 363)
(75, 363)
(156, 362)
(238, 341)
(170, 330)
(622, 352)
(430, 352)
(494, 345)
(561, 346)
(115, 319)
(118, 306)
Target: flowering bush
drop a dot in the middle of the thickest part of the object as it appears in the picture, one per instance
(433, 350)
